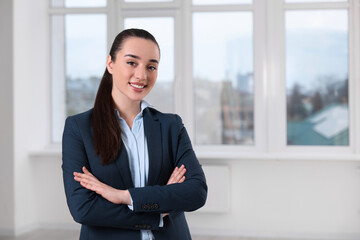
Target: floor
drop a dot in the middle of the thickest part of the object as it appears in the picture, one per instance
(74, 235)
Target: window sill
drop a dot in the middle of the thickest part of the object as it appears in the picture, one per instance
(276, 156)
(55, 152)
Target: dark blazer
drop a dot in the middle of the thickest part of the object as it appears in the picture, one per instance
(169, 146)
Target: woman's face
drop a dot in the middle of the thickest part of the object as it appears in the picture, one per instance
(134, 70)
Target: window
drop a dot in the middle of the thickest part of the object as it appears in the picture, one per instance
(246, 76)
(223, 77)
(78, 57)
(317, 77)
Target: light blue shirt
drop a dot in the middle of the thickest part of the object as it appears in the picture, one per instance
(134, 140)
(136, 147)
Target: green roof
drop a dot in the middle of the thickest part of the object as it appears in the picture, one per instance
(306, 132)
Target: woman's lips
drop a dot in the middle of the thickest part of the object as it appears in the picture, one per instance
(137, 85)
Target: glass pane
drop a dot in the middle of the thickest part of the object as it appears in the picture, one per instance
(317, 77)
(162, 95)
(85, 59)
(310, 1)
(223, 78)
(220, 2)
(78, 3)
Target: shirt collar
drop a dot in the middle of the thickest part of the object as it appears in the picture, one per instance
(144, 104)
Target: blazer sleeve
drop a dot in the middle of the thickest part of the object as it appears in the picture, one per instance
(88, 207)
(187, 196)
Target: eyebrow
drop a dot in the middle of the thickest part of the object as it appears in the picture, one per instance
(137, 57)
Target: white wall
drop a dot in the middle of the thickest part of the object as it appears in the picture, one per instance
(310, 199)
(288, 198)
(52, 211)
(6, 127)
(31, 81)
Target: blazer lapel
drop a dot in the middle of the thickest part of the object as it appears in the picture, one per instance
(122, 162)
(152, 128)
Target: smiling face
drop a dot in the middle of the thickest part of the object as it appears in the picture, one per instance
(134, 71)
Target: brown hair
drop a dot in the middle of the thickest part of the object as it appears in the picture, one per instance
(105, 123)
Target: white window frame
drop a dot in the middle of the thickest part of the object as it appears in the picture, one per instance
(58, 72)
(277, 90)
(259, 51)
(269, 72)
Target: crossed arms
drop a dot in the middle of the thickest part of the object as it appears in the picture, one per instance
(92, 202)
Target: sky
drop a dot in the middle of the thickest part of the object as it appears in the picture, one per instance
(316, 46)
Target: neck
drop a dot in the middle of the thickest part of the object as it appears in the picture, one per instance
(127, 108)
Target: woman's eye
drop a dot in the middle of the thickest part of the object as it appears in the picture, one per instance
(131, 63)
(152, 68)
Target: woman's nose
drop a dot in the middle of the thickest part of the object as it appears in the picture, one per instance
(140, 73)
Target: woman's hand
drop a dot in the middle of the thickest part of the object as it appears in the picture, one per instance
(178, 175)
(89, 181)
(116, 196)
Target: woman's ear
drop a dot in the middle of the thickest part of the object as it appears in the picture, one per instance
(109, 64)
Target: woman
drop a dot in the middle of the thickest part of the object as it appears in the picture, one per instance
(130, 171)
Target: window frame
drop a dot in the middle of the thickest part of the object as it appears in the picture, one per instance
(269, 72)
(61, 84)
(280, 145)
(259, 50)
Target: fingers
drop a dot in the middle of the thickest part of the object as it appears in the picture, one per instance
(175, 172)
(88, 182)
(182, 179)
(82, 176)
(180, 172)
(178, 175)
(87, 185)
(86, 179)
(86, 171)
(84, 182)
